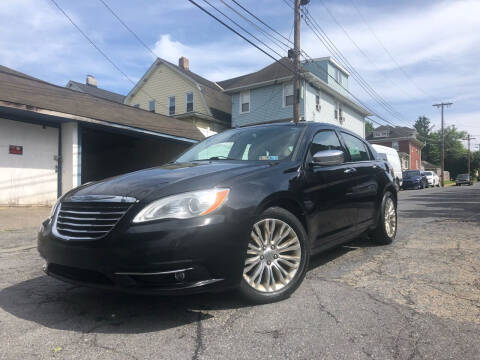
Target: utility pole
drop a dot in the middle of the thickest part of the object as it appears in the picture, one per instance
(296, 58)
(442, 154)
(468, 162)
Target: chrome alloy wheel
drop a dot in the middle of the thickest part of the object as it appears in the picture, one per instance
(390, 217)
(273, 255)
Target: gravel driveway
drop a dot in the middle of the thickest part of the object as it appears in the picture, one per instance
(416, 299)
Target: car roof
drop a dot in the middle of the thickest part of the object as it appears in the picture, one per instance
(308, 124)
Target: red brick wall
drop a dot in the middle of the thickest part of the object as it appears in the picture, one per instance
(415, 157)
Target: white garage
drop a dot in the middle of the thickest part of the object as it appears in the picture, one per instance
(28, 163)
(53, 139)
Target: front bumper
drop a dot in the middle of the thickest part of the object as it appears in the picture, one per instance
(166, 257)
(411, 185)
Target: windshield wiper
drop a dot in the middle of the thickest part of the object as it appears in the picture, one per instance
(217, 158)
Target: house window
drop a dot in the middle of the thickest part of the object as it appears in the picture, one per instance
(189, 102)
(171, 105)
(383, 133)
(151, 105)
(317, 102)
(288, 94)
(338, 113)
(395, 145)
(338, 76)
(244, 102)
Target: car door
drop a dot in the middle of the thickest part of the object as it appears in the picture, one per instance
(366, 187)
(327, 193)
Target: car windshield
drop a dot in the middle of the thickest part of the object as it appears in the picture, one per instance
(427, 173)
(462, 176)
(267, 143)
(411, 173)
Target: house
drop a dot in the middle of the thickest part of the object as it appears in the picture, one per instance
(91, 87)
(176, 91)
(53, 139)
(267, 95)
(404, 140)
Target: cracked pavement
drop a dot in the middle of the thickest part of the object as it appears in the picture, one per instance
(416, 299)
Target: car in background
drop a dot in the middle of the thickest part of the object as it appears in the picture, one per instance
(414, 179)
(433, 179)
(391, 156)
(463, 179)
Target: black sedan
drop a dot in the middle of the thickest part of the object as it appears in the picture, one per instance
(414, 179)
(243, 209)
(463, 179)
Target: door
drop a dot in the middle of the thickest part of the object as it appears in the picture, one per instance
(28, 166)
(366, 188)
(328, 193)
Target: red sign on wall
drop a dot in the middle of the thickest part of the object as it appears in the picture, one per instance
(16, 150)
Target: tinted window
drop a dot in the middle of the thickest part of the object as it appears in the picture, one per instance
(411, 173)
(356, 147)
(325, 140)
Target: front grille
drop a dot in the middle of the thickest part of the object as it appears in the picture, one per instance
(88, 220)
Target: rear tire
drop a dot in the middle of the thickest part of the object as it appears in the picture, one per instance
(268, 275)
(386, 230)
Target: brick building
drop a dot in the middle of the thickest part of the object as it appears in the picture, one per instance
(402, 139)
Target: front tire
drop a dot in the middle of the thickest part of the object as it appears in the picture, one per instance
(277, 257)
(386, 229)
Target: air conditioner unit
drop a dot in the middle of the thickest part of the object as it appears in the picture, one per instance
(318, 107)
(336, 114)
(342, 119)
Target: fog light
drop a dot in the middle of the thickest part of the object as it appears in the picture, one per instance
(180, 276)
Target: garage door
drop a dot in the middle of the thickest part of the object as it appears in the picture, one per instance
(28, 163)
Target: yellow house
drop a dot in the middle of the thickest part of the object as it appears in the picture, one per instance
(174, 90)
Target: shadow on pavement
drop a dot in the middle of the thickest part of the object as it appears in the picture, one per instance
(54, 304)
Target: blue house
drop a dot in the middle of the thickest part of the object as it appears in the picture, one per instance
(267, 95)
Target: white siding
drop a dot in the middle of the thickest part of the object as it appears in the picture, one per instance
(353, 120)
(71, 151)
(31, 178)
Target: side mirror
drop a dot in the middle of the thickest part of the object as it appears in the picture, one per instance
(328, 157)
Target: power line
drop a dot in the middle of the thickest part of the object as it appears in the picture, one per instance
(330, 45)
(402, 70)
(239, 34)
(359, 48)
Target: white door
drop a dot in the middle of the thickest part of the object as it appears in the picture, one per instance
(28, 173)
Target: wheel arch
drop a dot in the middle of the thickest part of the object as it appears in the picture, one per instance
(286, 201)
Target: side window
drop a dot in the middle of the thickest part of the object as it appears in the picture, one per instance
(325, 140)
(357, 149)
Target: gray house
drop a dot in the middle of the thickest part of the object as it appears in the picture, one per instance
(267, 95)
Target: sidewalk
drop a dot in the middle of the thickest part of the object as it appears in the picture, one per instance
(19, 225)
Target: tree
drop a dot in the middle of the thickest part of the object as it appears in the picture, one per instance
(368, 127)
(424, 131)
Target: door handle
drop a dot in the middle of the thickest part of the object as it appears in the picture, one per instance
(350, 170)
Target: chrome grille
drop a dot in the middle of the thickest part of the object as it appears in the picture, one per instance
(88, 220)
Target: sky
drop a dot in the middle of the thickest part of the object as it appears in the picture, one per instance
(414, 53)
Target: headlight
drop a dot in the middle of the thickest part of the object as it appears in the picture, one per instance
(183, 206)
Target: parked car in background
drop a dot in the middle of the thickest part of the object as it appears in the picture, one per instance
(433, 179)
(391, 155)
(242, 209)
(463, 179)
(413, 179)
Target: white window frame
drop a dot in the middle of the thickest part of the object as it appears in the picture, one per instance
(240, 101)
(174, 105)
(193, 101)
(285, 85)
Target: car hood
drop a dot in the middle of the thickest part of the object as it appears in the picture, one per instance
(412, 178)
(168, 179)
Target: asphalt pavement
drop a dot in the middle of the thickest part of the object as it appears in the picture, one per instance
(416, 299)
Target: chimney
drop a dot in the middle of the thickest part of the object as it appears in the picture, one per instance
(184, 63)
(91, 81)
